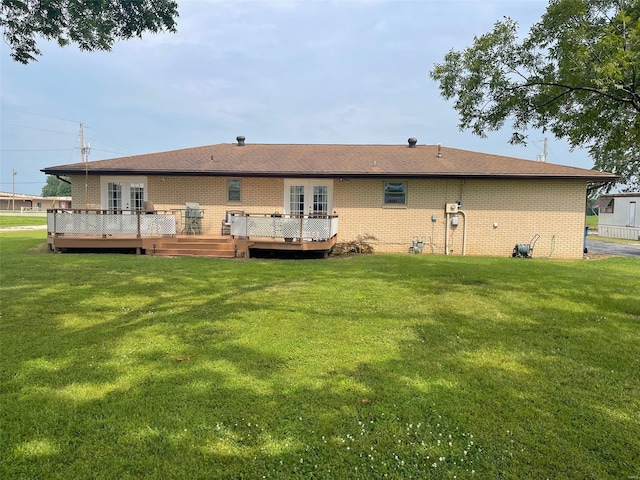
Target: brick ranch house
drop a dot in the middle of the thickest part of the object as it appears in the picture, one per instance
(453, 201)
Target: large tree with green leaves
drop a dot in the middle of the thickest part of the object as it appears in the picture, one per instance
(56, 187)
(91, 24)
(576, 74)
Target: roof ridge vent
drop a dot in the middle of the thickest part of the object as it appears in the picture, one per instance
(240, 140)
(412, 142)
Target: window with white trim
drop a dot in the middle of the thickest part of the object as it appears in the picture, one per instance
(114, 196)
(136, 192)
(296, 199)
(320, 200)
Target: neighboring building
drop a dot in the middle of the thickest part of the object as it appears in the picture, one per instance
(619, 216)
(31, 203)
(456, 201)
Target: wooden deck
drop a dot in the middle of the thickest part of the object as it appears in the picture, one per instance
(216, 246)
(155, 233)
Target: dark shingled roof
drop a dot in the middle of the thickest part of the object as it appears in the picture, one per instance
(263, 160)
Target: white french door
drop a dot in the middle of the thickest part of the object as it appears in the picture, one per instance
(308, 197)
(123, 193)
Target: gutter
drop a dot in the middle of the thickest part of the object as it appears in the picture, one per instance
(59, 177)
(608, 178)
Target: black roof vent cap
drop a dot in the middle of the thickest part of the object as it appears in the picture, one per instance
(240, 140)
(412, 142)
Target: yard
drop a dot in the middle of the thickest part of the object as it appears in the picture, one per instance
(17, 220)
(382, 366)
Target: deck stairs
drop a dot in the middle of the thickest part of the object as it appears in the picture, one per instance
(194, 246)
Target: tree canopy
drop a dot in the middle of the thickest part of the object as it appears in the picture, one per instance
(575, 74)
(56, 187)
(91, 24)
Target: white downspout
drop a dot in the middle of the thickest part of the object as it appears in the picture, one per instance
(464, 233)
(446, 235)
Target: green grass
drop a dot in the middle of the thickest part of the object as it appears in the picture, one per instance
(384, 366)
(592, 221)
(21, 221)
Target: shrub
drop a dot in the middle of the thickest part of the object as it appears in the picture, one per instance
(362, 244)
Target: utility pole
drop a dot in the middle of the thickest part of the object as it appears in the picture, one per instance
(545, 150)
(81, 143)
(84, 155)
(13, 189)
(84, 149)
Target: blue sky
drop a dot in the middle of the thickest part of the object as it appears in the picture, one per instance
(304, 71)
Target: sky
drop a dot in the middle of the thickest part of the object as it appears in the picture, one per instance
(288, 71)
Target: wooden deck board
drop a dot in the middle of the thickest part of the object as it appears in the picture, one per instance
(192, 245)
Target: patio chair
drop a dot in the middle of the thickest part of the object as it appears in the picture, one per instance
(193, 219)
(228, 220)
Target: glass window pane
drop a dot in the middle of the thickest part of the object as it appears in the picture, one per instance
(114, 196)
(296, 199)
(609, 207)
(137, 196)
(233, 192)
(395, 192)
(320, 200)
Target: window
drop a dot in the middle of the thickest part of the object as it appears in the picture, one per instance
(395, 193)
(296, 199)
(114, 196)
(320, 200)
(233, 190)
(608, 208)
(136, 191)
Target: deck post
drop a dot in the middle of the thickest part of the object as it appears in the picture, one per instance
(301, 227)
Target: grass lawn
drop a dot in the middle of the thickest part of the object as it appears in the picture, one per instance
(592, 221)
(21, 221)
(383, 366)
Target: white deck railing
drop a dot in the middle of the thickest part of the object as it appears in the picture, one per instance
(110, 222)
(288, 227)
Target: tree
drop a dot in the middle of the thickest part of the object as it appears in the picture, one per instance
(91, 24)
(576, 75)
(56, 187)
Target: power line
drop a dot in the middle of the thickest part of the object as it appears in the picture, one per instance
(108, 151)
(41, 150)
(23, 183)
(36, 128)
(38, 115)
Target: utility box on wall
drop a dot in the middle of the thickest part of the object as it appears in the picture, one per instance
(452, 207)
